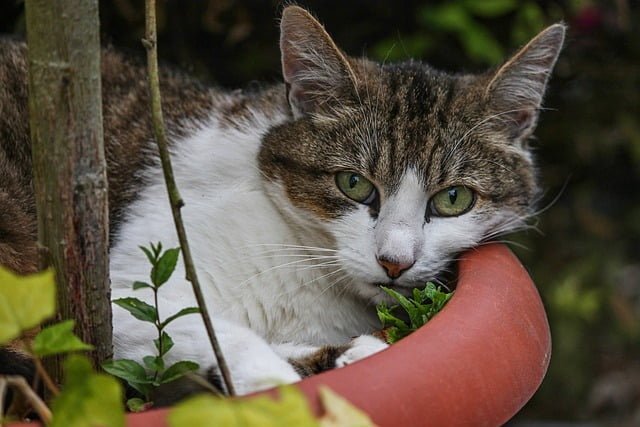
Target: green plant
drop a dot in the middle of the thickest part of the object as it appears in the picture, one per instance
(420, 308)
(87, 398)
(471, 23)
(154, 372)
(290, 409)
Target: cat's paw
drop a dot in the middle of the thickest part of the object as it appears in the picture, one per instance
(261, 377)
(361, 347)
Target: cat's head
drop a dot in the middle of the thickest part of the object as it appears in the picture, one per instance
(402, 165)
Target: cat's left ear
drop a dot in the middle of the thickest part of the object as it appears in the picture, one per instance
(317, 73)
(516, 90)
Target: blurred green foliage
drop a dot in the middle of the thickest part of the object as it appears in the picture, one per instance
(586, 259)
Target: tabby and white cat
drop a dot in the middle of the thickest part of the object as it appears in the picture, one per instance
(301, 199)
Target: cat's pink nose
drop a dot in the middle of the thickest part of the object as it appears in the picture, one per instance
(394, 269)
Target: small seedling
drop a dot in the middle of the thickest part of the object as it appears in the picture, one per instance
(420, 308)
(154, 372)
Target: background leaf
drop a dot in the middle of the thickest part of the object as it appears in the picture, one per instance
(87, 399)
(25, 301)
(490, 8)
(449, 16)
(57, 339)
(480, 44)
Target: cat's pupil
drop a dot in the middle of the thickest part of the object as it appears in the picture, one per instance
(353, 180)
(453, 196)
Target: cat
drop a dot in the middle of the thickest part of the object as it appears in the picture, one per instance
(301, 198)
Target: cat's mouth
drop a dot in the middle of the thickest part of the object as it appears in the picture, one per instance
(445, 280)
(404, 289)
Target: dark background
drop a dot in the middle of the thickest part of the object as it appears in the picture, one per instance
(585, 256)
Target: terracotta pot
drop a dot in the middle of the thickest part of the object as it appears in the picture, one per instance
(476, 363)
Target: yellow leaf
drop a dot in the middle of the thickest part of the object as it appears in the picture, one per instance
(25, 301)
(88, 399)
(339, 412)
(291, 409)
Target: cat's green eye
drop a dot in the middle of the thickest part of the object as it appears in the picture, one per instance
(453, 201)
(356, 187)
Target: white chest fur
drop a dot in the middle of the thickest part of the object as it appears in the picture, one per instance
(243, 249)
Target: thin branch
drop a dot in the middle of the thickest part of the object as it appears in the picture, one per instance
(32, 397)
(46, 379)
(150, 44)
(40, 369)
(3, 389)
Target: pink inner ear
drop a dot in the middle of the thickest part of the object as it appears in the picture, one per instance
(291, 65)
(524, 118)
(522, 123)
(299, 99)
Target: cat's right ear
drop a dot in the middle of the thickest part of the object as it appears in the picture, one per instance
(316, 72)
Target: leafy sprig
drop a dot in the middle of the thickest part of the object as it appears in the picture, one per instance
(153, 372)
(419, 308)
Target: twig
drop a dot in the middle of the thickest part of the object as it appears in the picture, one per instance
(38, 405)
(150, 44)
(3, 389)
(42, 373)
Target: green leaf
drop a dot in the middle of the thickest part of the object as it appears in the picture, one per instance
(421, 307)
(157, 249)
(388, 319)
(178, 370)
(129, 370)
(490, 8)
(183, 312)
(339, 412)
(153, 363)
(140, 285)
(139, 309)
(291, 409)
(446, 17)
(57, 339)
(528, 22)
(136, 404)
(480, 45)
(408, 305)
(165, 267)
(87, 399)
(402, 47)
(166, 341)
(150, 256)
(25, 301)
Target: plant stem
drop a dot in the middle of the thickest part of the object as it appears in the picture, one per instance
(150, 44)
(158, 327)
(38, 405)
(40, 369)
(3, 389)
(46, 379)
